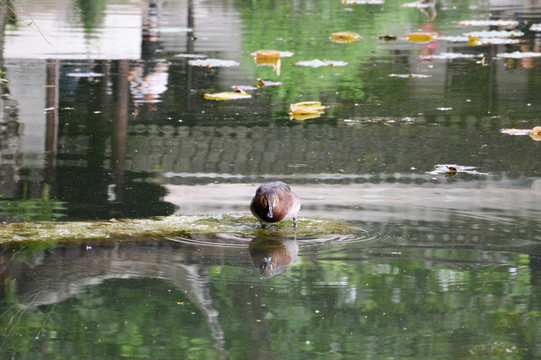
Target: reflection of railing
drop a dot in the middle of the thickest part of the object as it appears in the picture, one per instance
(32, 209)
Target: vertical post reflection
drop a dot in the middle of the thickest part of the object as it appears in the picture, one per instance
(189, 50)
(120, 127)
(51, 115)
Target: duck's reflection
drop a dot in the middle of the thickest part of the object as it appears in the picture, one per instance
(271, 256)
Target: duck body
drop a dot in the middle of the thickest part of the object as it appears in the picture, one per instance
(274, 202)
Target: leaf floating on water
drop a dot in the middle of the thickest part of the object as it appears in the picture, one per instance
(536, 130)
(498, 23)
(271, 54)
(318, 63)
(210, 63)
(452, 170)
(243, 87)
(306, 110)
(418, 4)
(387, 38)
(237, 94)
(495, 34)
(420, 36)
(264, 83)
(411, 76)
(192, 56)
(172, 29)
(363, 2)
(84, 75)
(476, 41)
(460, 38)
(518, 55)
(451, 56)
(270, 58)
(515, 131)
(344, 37)
(535, 27)
(534, 133)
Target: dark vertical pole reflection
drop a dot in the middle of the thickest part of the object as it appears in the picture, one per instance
(51, 100)
(189, 50)
(120, 127)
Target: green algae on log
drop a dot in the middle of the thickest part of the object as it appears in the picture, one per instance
(160, 227)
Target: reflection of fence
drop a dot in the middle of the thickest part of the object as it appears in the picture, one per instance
(32, 209)
(10, 151)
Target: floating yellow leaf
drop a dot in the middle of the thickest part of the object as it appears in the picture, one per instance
(270, 58)
(474, 41)
(420, 36)
(266, 55)
(306, 110)
(229, 95)
(344, 37)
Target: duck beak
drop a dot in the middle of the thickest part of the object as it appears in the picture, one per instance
(267, 267)
(270, 213)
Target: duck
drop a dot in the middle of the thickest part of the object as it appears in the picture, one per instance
(271, 256)
(274, 202)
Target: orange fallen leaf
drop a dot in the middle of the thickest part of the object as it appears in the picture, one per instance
(269, 55)
(266, 55)
(420, 36)
(536, 130)
(344, 37)
(270, 58)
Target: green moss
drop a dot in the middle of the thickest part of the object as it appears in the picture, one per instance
(160, 227)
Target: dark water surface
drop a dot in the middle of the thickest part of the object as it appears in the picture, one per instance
(104, 117)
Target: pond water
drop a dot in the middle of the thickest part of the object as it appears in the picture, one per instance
(104, 117)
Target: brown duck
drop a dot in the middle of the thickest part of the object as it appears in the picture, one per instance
(273, 256)
(274, 202)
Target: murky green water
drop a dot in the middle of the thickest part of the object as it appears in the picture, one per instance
(104, 117)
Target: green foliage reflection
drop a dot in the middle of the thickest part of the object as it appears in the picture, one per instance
(26, 209)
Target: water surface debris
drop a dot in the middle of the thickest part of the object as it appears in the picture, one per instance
(453, 169)
(498, 23)
(344, 37)
(319, 63)
(363, 2)
(411, 76)
(236, 94)
(210, 63)
(306, 110)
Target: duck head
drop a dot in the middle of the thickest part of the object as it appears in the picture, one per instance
(269, 200)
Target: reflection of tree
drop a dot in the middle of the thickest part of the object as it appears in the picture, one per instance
(91, 161)
(92, 14)
(160, 298)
